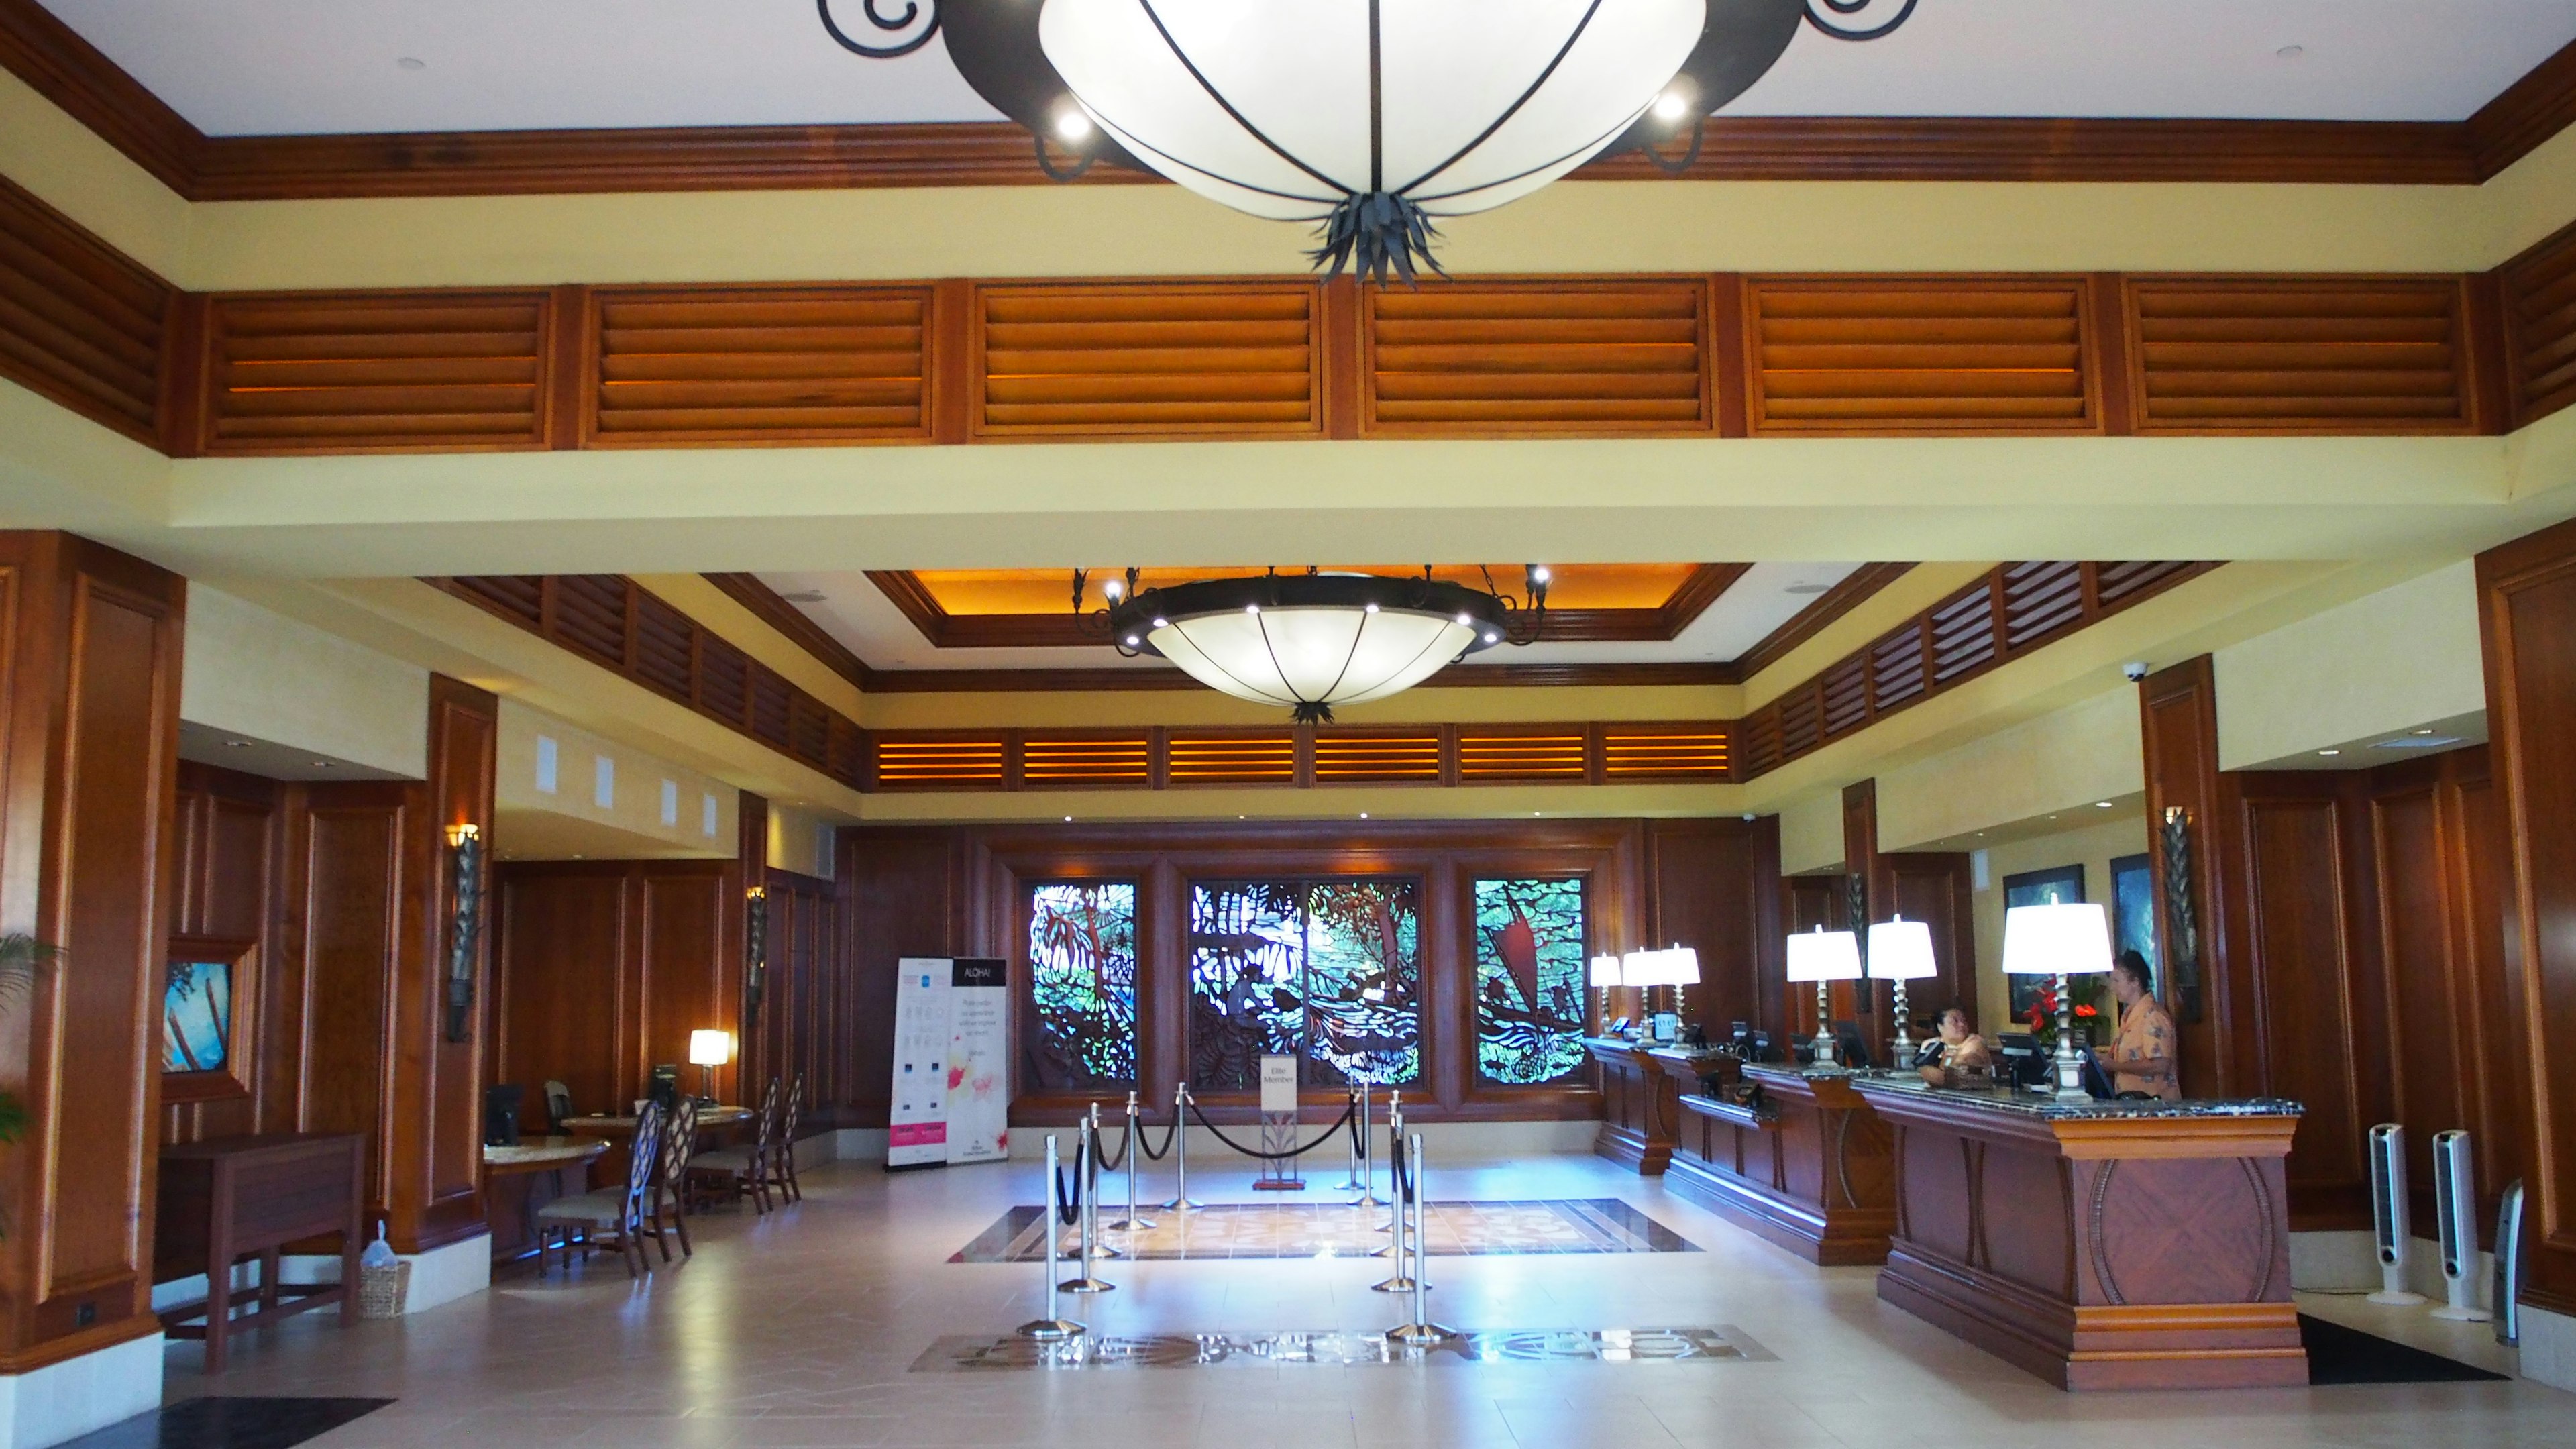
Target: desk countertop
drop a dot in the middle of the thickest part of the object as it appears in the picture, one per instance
(2046, 1107)
(536, 1154)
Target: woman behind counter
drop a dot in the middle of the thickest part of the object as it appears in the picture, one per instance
(1961, 1049)
(2141, 1057)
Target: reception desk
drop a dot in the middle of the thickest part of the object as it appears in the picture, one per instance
(2100, 1245)
(1805, 1164)
(1641, 1092)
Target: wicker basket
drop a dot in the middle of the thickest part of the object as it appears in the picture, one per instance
(381, 1291)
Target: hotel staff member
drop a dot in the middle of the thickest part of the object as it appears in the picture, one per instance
(1961, 1048)
(2141, 1058)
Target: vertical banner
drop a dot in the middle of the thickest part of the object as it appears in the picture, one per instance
(979, 1059)
(917, 1126)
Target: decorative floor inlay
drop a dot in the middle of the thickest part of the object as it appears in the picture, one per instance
(222, 1422)
(960, 1353)
(1338, 1230)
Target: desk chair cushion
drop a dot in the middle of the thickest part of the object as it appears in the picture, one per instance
(723, 1159)
(603, 1208)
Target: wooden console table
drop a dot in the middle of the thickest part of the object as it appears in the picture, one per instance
(229, 1198)
(1809, 1167)
(2100, 1245)
(1641, 1090)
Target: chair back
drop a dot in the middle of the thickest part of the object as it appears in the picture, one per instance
(558, 1104)
(646, 1154)
(680, 1142)
(795, 1109)
(765, 1125)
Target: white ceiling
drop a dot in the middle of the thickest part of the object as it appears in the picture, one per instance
(250, 67)
(856, 612)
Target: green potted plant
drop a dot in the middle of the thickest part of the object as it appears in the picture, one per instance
(21, 957)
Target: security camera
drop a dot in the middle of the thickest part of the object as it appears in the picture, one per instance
(2134, 670)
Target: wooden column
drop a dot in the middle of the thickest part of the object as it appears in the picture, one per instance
(2527, 617)
(1928, 886)
(2178, 713)
(90, 645)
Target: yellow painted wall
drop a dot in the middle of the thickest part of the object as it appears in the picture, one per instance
(636, 798)
(2064, 760)
(2384, 663)
(2093, 844)
(253, 672)
(1811, 833)
(796, 839)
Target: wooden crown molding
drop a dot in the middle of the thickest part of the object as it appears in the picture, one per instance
(53, 59)
(1856, 588)
(1456, 676)
(772, 609)
(903, 588)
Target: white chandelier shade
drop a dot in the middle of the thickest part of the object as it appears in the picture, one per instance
(1330, 656)
(1288, 108)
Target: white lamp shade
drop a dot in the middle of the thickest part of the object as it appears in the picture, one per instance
(1901, 950)
(2072, 939)
(1824, 956)
(1677, 966)
(710, 1048)
(1477, 103)
(1288, 656)
(1606, 972)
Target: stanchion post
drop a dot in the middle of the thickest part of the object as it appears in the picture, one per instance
(1368, 1157)
(1180, 1202)
(1055, 1327)
(1134, 1222)
(1089, 1173)
(1419, 1331)
(1395, 1143)
(1351, 1179)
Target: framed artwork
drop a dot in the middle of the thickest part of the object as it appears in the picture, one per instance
(2057, 886)
(2133, 913)
(209, 999)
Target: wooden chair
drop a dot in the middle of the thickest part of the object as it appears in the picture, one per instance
(784, 1160)
(558, 1106)
(591, 1219)
(740, 1170)
(671, 1183)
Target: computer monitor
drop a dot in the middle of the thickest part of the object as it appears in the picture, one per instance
(664, 1085)
(1742, 1036)
(1762, 1047)
(2018, 1057)
(501, 1115)
(1850, 1048)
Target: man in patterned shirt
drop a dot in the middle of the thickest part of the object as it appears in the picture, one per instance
(2141, 1058)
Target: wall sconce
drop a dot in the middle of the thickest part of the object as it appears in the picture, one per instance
(2182, 917)
(464, 925)
(755, 953)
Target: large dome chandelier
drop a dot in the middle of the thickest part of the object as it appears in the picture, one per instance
(1310, 641)
(1370, 118)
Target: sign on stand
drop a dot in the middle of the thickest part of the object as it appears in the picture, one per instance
(1279, 1125)
(951, 1062)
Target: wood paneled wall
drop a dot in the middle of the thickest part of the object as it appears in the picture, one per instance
(1933, 887)
(90, 643)
(228, 879)
(2178, 712)
(2527, 593)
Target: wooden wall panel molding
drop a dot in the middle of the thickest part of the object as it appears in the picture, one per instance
(750, 366)
(80, 322)
(90, 643)
(1921, 355)
(2178, 718)
(1236, 358)
(228, 880)
(2527, 590)
(59, 65)
(2351, 355)
(1458, 676)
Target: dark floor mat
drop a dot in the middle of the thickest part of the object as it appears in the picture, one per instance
(230, 1423)
(2340, 1355)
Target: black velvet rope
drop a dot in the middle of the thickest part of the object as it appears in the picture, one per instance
(1108, 1163)
(1326, 1136)
(1403, 1178)
(1358, 1144)
(1069, 1204)
(1156, 1154)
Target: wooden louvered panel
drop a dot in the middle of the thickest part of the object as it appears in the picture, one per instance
(79, 322)
(1665, 752)
(1963, 634)
(1918, 354)
(1489, 755)
(1056, 762)
(1896, 676)
(589, 616)
(2041, 599)
(770, 706)
(933, 762)
(724, 680)
(517, 597)
(809, 729)
(1373, 757)
(2540, 315)
(1231, 759)
(1802, 722)
(2118, 585)
(1846, 697)
(755, 365)
(847, 760)
(1187, 358)
(1760, 734)
(372, 372)
(664, 651)
(2299, 355)
(1558, 356)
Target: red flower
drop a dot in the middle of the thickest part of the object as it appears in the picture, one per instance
(2086, 1011)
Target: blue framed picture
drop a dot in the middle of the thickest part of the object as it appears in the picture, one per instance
(208, 995)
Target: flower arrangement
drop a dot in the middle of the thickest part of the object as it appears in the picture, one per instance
(2085, 991)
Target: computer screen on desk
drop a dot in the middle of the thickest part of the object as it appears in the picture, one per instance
(1849, 1047)
(2018, 1056)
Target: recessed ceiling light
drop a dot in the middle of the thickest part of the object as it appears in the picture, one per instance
(2101, 804)
(2291, 52)
(412, 62)
(2329, 752)
(245, 744)
(1068, 820)
(321, 764)
(805, 596)
(1363, 815)
(1806, 588)
(2419, 732)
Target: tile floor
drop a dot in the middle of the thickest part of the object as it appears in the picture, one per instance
(800, 1329)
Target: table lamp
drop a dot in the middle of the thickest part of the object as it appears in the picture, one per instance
(1900, 951)
(1606, 978)
(2060, 941)
(710, 1050)
(1823, 956)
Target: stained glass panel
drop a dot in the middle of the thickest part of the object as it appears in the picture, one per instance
(1530, 980)
(1326, 971)
(1082, 983)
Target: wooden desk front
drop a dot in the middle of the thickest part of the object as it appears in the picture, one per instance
(1809, 1168)
(2115, 1245)
(1641, 1090)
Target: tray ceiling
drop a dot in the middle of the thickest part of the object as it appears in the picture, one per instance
(256, 67)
